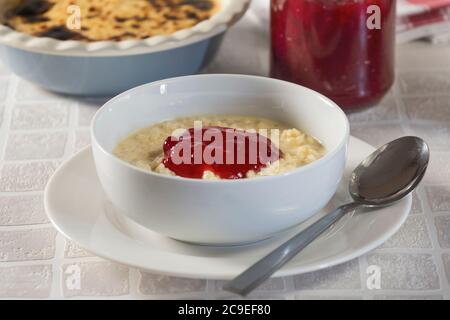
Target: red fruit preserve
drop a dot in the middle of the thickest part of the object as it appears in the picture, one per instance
(343, 49)
(228, 153)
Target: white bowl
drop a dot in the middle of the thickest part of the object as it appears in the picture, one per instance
(220, 212)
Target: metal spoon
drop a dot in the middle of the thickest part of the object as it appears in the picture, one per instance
(386, 176)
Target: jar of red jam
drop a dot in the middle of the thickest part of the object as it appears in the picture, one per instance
(344, 49)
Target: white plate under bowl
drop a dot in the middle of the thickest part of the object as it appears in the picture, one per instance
(77, 207)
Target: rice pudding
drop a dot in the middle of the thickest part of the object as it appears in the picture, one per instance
(278, 147)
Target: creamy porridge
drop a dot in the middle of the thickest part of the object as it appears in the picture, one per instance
(288, 148)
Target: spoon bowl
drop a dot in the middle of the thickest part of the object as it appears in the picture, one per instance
(390, 173)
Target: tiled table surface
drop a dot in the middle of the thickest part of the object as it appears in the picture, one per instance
(38, 130)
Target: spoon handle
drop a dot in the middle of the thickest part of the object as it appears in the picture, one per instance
(264, 268)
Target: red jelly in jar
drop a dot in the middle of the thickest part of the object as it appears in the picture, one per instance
(344, 49)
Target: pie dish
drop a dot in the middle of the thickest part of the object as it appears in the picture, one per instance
(103, 68)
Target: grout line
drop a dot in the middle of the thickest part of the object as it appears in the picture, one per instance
(289, 283)
(437, 184)
(57, 284)
(432, 232)
(422, 70)
(33, 226)
(210, 286)
(39, 131)
(363, 265)
(365, 123)
(21, 193)
(400, 250)
(427, 95)
(360, 291)
(362, 294)
(57, 280)
(23, 263)
(133, 281)
(427, 70)
(405, 121)
(31, 161)
(441, 214)
(7, 115)
(400, 104)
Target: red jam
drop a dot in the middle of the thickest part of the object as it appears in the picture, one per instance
(226, 152)
(326, 45)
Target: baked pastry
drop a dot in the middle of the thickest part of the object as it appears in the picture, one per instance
(107, 19)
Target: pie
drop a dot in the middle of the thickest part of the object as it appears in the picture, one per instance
(116, 20)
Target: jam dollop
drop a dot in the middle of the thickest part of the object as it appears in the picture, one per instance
(226, 152)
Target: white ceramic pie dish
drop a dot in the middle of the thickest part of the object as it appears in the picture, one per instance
(106, 67)
(220, 212)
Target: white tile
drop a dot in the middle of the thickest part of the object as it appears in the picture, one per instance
(408, 297)
(404, 271)
(30, 244)
(413, 234)
(96, 279)
(439, 197)
(29, 146)
(446, 260)
(82, 139)
(154, 284)
(437, 135)
(87, 109)
(27, 91)
(4, 85)
(377, 134)
(344, 276)
(22, 210)
(43, 115)
(26, 176)
(442, 224)
(25, 281)
(438, 171)
(386, 110)
(327, 297)
(72, 250)
(271, 285)
(428, 108)
(424, 83)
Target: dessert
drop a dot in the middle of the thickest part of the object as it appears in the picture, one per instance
(114, 20)
(226, 147)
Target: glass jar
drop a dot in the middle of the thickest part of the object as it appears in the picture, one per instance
(344, 49)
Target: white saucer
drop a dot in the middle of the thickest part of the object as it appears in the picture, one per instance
(77, 207)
